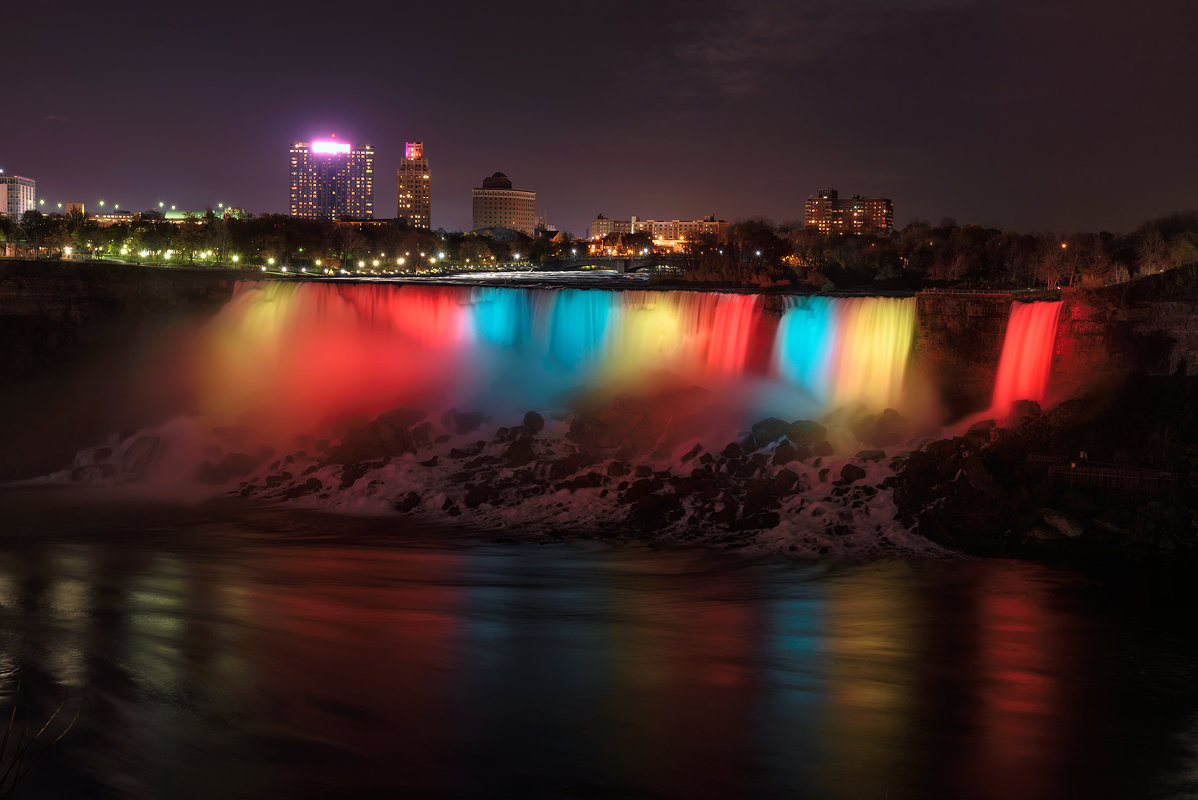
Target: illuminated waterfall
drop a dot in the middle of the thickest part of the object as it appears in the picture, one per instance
(288, 357)
(1026, 360)
(848, 350)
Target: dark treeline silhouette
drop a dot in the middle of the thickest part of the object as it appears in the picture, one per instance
(756, 252)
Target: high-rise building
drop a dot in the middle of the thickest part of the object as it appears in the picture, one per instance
(829, 213)
(498, 205)
(17, 195)
(414, 194)
(331, 180)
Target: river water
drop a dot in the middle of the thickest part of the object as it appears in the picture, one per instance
(239, 651)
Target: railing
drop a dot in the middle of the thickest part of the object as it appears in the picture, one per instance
(1083, 472)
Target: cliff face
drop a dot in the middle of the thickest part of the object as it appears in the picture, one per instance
(54, 312)
(1102, 337)
(74, 340)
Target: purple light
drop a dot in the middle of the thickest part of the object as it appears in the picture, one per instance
(414, 150)
(330, 148)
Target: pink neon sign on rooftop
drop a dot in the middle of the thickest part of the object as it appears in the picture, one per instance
(329, 147)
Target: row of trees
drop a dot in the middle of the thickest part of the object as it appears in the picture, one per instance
(270, 238)
(755, 251)
(760, 253)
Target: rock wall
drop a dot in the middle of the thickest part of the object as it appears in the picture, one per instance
(1146, 326)
(52, 311)
(75, 341)
(958, 341)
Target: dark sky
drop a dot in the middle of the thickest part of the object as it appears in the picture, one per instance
(1027, 114)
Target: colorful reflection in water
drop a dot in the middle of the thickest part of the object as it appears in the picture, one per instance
(293, 656)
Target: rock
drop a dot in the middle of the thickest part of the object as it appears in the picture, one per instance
(644, 471)
(564, 467)
(882, 430)
(422, 434)
(141, 454)
(520, 452)
(979, 477)
(850, 473)
(91, 473)
(784, 453)
(980, 433)
(786, 480)
(469, 451)
(823, 448)
(408, 502)
(694, 451)
(534, 423)
(618, 469)
(351, 472)
(656, 511)
(1061, 524)
(401, 418)
(477, 495)
(1023, 412)
(310, 486)
(806, 432)
(432, 462)
(769, 430)
(733, 450)
(870, 455)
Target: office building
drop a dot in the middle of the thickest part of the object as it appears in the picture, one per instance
(413, 196)
(498, 205)
(331, 179)
(17, 195)
(829, 213)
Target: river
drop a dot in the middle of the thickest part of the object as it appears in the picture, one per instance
(253, 651)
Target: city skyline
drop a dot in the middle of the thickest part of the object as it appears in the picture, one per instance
(1014, 116)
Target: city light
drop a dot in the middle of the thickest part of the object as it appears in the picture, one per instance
(270, 261)
(236, 258)
(326, 147)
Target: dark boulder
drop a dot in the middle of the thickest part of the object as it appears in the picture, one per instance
(141, 454)
(769, 430)
(850, 473)
(806, 432)
(408, 502)
(520, 452)
(534, 423)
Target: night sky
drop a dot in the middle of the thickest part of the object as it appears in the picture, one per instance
(1024, 114)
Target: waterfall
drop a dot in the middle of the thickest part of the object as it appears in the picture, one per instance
(1026, 360)
(847, 351)
(296, 357)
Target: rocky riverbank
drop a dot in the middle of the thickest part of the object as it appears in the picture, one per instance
(1108, 473)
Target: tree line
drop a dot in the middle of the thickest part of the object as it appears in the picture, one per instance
(756, 252)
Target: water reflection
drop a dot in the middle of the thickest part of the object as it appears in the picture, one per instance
(271, 666)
